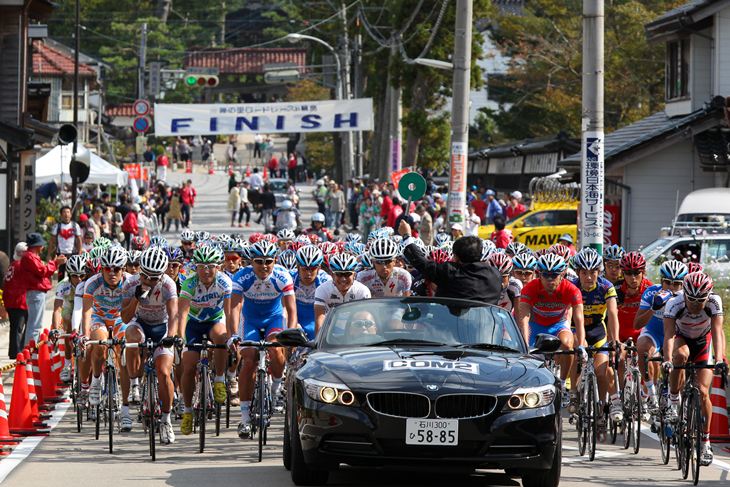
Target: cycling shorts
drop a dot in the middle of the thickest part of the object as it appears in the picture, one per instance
(309, 330)
(251, 331)
(555, 329)
(154, 333)
(194, 332)
(655, 331)
(596, 337)
(117, 325)
(699, 348)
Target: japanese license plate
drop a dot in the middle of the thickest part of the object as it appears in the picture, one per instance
(439, 432)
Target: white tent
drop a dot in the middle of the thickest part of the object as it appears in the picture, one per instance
(54, 167)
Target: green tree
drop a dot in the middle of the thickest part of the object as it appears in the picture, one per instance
(320, 145)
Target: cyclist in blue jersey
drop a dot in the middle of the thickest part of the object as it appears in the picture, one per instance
(307, 279)
(265, 290)
(203, 305)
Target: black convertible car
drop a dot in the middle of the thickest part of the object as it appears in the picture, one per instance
(421, 383)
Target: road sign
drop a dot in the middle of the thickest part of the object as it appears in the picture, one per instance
(412, 186)
(141, 124)
(141, 108)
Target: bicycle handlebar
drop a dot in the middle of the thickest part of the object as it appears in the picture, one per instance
(258, 344)
(109, 342)
(167, 342)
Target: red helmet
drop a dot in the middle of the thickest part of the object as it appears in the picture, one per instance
(295, 245)
(255, 237)
(540, 252)
(270, 237)
(314, 238)
(502, 262)
(561, 250)
(633, 261)
(440, 255)
(697, 285)
(329, 248)
(694, 267)
(138, 243)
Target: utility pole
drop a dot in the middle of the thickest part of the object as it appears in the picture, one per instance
(223, 22)
(357, 88)
(395, 138)
(460, 111)
(77, 46)
(142, 61)
(347, 159)
(592, 167)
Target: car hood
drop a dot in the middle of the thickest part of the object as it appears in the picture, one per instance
(445, 368)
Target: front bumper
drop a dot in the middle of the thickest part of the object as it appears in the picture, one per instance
(334, 434)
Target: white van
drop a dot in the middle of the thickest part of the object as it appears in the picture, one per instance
(705, 210)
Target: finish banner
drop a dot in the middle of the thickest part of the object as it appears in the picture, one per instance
(267, 118)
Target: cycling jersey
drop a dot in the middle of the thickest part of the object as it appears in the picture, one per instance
(654, 329)
(550, 308)
(305, 300)
(152, 310)
(595, 303)
(399, 282)
(107, 304)
(694, 329)
(206, 303)
(262, 307)
(628, 305)
(328, 296)
(65, 291)
(510, 294)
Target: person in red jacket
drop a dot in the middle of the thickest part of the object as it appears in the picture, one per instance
(501, 237)
(14, 300)
(386, 205)
(36, 279)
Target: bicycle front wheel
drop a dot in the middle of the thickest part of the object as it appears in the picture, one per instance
(636, 412)
(685, 443)
(111, 394)
(262, 393)
(593, 412)
(204, 384)
(695, 431)
(152, 419)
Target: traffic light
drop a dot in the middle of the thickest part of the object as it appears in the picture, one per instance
(201, 80)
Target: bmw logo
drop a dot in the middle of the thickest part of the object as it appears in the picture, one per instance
(432, 387)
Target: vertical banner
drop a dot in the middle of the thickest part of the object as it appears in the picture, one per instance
(457, 183)
(592, 192)
(612, 225)
(395, 154)
(27, 193)
(3, 201)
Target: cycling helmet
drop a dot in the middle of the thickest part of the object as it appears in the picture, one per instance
(551, 263)
(303, 239)
(102, 243)
(355, 248)
(397, 239)
(114, 257)
(202, 235)
(318, 217)
(673, 270)
(343, 263)
(353, 237)
(613, 252)
(154, 261)
(561, 250)
(501, 262)
(329, 248)
(138, 243)
(441, 238)
(93, 266)
(285, 234)
(207, 254)
(365, 262)
(255, 237)
(263, 248)
(246, 252)
(524, 261)
(76, 265)
(440, 255)
(697, 285)
(133, 257)
(286, 205)
(632, 261)
(387, 231)
(174, 254)
(314, 238)
(588, 259)
(270, 237)
(383, 249)
(288, 259)
(187, 235)
(158, 241)
(309, 256)
(516, 248)
(488, 248)
(694, 267)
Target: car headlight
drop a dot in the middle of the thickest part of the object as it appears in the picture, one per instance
(329, 392)
(531, 397)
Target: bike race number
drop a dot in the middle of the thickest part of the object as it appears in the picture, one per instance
(437, 432)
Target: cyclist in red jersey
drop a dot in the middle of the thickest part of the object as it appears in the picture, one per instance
(633, 267)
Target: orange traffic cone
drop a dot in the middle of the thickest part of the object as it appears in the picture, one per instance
(266, 173)
(5, 436)
(34, 402)
(719, 430)
(49, 384)
(211, 168)
(57, 361)
(20, 419)
(35, 372)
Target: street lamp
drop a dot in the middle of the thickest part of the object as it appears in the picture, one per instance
(434, 63)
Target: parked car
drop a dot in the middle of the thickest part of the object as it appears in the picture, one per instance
(541, 226)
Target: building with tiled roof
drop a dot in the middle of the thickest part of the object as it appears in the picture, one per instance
(246, 60)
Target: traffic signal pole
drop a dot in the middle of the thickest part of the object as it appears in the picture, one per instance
(592, 148)
(460, 112)
(77, 45)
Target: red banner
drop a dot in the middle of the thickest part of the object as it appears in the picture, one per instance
(134, 171)
(612, 224)
(396, 175)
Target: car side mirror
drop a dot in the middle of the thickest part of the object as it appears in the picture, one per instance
(545, 343)
(293, 337)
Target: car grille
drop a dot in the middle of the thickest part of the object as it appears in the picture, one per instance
(464, 405)
(400, 404)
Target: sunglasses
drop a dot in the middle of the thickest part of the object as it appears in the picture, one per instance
(184, 242)
(233, 257)
(669, 282)
(694, 300)
(80, 276)
(263, 261)
(113, 269)
(523, 273)
(632, 273)
(550, 275)
(345, 274)
(150, 278)
(383, 262)
(206, 267)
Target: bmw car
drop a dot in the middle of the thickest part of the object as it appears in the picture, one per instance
(421, 383)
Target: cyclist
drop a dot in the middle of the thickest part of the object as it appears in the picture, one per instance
(149, 308)
(286, 237)
(318, 229)
(516, 248)
(566, 254)
(650, 320)
(307, 279)
(628, 294)
(102, 304)
(385, 279)
(511, 287)
(612, 263)
(63, 306)
(204, 303)
(600, 320)
(232, 264)
(523, 267)
(288, 260)
(343, 288)
(261, 295)
(693, 327)
(547, 305)
(175, 262)
(187, 243)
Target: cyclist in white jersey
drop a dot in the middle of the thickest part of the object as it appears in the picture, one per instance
(342, 289)
(308, 278)
(385, 279)
(511, 287)
(64, 305)
(693, 324)
(149, 308)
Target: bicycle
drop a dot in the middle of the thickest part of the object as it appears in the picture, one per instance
(203, 395)
(75, 386)
(690, 426)
(110, 391)
(631, 399)
(262, 404)
(150, 410)
(664, 428)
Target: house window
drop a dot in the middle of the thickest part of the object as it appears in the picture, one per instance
(677, 69)
(67, 100)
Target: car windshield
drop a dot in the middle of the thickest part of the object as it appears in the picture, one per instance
(656, 247)
(277, 186)
(419, 321)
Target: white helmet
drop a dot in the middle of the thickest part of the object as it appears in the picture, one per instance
(318, 217)
(286, 205)
(383, 249)
(154, 261)
(114, 257)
